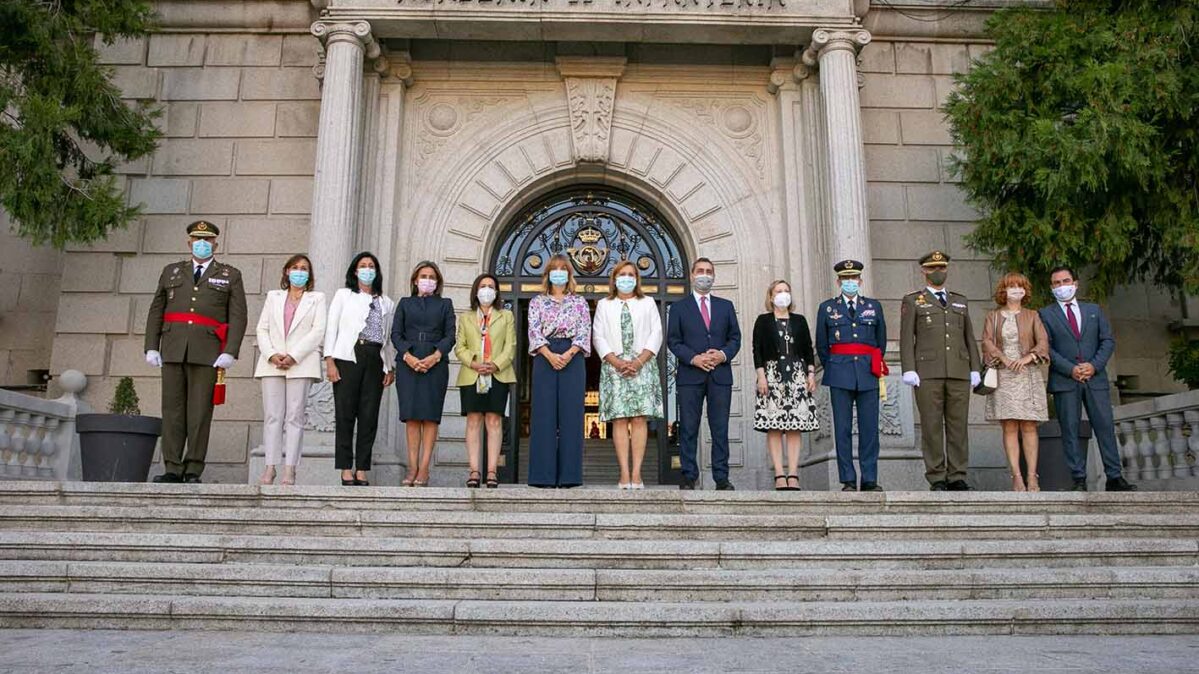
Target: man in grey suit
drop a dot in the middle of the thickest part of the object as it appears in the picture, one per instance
(1080, 344)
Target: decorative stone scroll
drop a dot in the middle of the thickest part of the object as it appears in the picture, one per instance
(590, 97)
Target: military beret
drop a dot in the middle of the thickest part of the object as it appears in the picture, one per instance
(935, 259)
(849, 268)
(203, 229)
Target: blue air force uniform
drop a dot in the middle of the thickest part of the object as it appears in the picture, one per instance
(848, 329)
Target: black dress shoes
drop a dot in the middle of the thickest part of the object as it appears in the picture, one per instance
(725, 485)
(191, 478)
(1080, 484)
(171, 478)
(871, 486)
(687, 484)
(1120, 484)
(958, 485)
(848, 486)
(939, 485)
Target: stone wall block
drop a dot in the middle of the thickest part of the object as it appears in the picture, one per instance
(885, 163)
(230, 196)
(291, 196)
(924, 127)
(201, 84)
(127, 358)
(160, 195)
(140, 274)
(136, 82)
(886, 201)
(234, 120)
(267, 235)
(939, 202)
(194, 158)
(243, 402)
(85, 353)
(10, 291)
(228, 441)
(91, 313)
(39, 292)
(122, 51)
(268, 84)
(179, 120)
(250, 267)
(905, 241)
(300, 50)
(880, 127)
(877, 57)
(121, 240)
(898, 91)
(176, 49)
(141, 311)
(168, 233)
(89, 272)
(244, 50)
(276, 157)
(298, 119)
(913, 58)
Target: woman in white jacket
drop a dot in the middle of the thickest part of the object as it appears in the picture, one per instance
(628, 335)
(290, 331)
(359, 361)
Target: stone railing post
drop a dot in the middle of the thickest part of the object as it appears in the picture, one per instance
(1128, 449)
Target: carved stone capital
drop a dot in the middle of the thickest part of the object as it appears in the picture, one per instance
(359, 32)
(784, 71)
(590, 97)
(400, 67)
(826, 40)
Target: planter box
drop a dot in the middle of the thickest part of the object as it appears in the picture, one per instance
(116, 447)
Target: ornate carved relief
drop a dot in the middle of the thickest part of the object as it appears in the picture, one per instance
(320, 415)
(442, 117)
(740, 120)
(590, 97)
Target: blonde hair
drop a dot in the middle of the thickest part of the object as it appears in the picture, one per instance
(637, 291)
(549, 266)
(770, 294)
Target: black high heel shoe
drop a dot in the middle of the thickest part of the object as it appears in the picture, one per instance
(776, 483)
(349, 482)
(472, 481)
(493, 480)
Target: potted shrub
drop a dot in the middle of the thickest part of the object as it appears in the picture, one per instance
(118, 446)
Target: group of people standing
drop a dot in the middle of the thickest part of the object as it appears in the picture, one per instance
(367, 342)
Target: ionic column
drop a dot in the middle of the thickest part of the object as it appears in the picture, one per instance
(335, 186)
(834, 53)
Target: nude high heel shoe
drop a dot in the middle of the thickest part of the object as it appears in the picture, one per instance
(268, 476)
(289, 475)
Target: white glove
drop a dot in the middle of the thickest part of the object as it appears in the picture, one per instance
(153, 358)
(911, 378)
(975, 379)
(224, 361)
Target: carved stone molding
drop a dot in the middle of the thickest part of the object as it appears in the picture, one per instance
(741, 120)
(330, 32)
(590, 97)
(784, 71)
(826, 41)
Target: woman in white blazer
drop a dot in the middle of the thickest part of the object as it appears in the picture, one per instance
(359, 360)
(627, 332)
(291, 329)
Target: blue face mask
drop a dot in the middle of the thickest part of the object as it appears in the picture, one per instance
(366, 275)
(559, 277)
(626, 284)
(201, 250)
(297, 277)
(850, 288)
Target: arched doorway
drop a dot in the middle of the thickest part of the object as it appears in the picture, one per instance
(596, 227)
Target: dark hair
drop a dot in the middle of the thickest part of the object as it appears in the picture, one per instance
(352, 273)
(1062, 267)
(423, 264)
(702, 259)
(284, 283)
(474, 290)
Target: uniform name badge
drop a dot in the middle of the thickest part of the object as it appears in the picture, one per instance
(218, 282)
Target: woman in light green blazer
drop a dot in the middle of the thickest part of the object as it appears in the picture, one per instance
(485, 345)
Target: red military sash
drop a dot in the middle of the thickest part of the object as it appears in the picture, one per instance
(222, 334)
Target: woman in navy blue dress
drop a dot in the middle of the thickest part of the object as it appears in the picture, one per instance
(423, 334)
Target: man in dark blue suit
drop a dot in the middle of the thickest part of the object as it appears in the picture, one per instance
(1080, 344)
(703, 334)
(851, 337)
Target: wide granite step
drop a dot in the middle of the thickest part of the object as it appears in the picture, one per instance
(570, 618)
(621, 585)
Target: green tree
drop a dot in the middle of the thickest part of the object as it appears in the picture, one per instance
(1078, 141)
(63, 125)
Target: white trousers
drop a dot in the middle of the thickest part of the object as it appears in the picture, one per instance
(284, 402)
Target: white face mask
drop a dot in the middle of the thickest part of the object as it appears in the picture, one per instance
(1065, 293)
(486, 296)
(782, 300)
(1015, 294)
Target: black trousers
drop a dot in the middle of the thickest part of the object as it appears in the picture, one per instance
(356, 399)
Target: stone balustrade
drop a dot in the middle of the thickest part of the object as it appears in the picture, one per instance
(37, 436)
(1159, 438)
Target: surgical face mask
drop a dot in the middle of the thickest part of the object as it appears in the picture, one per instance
(426, 286)
(297, 277)
(486, 296)
(1015, 294)
(703, 282)
(782, 300)
(850, 288)
(626, 284)
(559, 277)
(366, 275)
(201, 250)
(937, 277)
(1065, 293)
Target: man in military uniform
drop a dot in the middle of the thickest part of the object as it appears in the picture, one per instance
(940, 359)
(851, 337)
(195, 327)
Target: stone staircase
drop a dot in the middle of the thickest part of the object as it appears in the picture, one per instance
(519, 561)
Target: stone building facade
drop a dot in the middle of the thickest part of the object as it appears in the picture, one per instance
(773, 136)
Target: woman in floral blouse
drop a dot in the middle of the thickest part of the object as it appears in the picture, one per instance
(628, 335)
(559, 330)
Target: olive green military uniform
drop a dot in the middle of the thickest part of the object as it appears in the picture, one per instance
(188, 353)
(937, 342)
